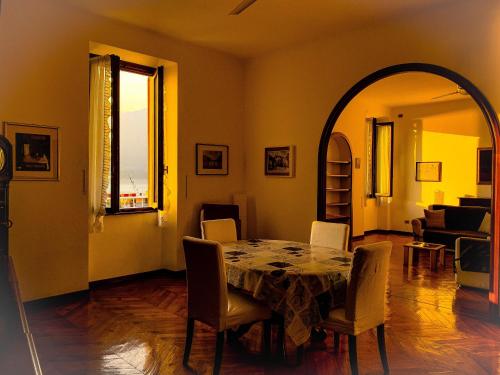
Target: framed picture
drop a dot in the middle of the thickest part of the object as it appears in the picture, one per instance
(212, 159)
(428, 171)
(484, 165)
(35, 151)
(279, 161)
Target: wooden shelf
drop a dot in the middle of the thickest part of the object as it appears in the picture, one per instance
(338, 185)
(337, 217)
(339, 161)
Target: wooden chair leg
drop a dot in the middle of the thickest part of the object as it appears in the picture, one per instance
(381, 347)
(219, 346)
(267, 339)
(189, 340)
(353, 355)
(300, 354)
(336, 341)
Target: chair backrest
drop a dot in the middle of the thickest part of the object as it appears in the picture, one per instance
(365, 300)
(206, 281)
(221, 230)
(212, 211)
(334, 235)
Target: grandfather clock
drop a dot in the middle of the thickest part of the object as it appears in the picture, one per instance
(18, 353)
(5, 177)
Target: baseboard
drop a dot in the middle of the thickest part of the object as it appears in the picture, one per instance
(84, 295)
(63, 299)
(136, 277)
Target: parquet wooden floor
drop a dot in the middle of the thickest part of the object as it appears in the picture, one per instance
(138, 327)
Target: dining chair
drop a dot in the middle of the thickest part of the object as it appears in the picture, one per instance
(210, 301)
(365, 300)
(334, 235)
(213, 211)
(220, 230)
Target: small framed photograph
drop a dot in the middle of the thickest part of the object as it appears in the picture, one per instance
(35, 151)
(212, 159)
(428, 171)
(484, 165)
(279, 161)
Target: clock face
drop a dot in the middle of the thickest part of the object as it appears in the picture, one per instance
(2, 159)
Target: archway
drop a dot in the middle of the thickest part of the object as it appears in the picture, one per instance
(490, 118)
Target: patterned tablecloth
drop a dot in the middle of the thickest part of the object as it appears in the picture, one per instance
(299, 281)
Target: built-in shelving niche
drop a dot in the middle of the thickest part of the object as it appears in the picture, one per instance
(338, 189)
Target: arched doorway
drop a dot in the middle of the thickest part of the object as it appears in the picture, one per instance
(490, 118)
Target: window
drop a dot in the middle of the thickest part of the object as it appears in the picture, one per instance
(136, 138)
(380, 144)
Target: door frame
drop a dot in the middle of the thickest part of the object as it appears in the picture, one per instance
(493, 124)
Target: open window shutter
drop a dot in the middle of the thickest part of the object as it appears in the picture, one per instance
(159, 121)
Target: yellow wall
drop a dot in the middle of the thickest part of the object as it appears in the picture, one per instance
(449, 132)
(290, 93)
(128, 245)
(44, 47)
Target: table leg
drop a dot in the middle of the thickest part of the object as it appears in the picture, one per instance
(410, 259)
(405, 258)
(434, 259)
(441, 258)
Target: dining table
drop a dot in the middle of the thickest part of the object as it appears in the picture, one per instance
(298, 281)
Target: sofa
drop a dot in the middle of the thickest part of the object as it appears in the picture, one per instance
(460, 221)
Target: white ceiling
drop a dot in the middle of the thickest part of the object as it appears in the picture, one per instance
(272, 24)
(410, 89)
(265, 26)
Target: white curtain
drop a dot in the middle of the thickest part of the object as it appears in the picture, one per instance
(369, 158)
(383, 149)
(100, 139)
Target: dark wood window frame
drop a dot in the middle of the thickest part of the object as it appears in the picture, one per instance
(375, 123)
(158, 73)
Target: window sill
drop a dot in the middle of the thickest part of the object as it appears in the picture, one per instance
(146, 210)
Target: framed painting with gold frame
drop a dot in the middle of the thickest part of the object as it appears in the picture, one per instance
(35, 151)
(428, 171)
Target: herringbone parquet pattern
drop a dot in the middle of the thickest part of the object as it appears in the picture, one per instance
(138, 327)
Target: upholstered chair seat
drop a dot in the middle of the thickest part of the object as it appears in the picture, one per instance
(220, 230)
(365, 300)
(243, 310)
(209, 300)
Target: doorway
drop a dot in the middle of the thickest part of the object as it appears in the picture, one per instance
(485, 109)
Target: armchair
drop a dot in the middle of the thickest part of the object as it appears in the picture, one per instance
(472, 262)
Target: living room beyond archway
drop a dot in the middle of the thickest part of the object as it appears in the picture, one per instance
(466, 97)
